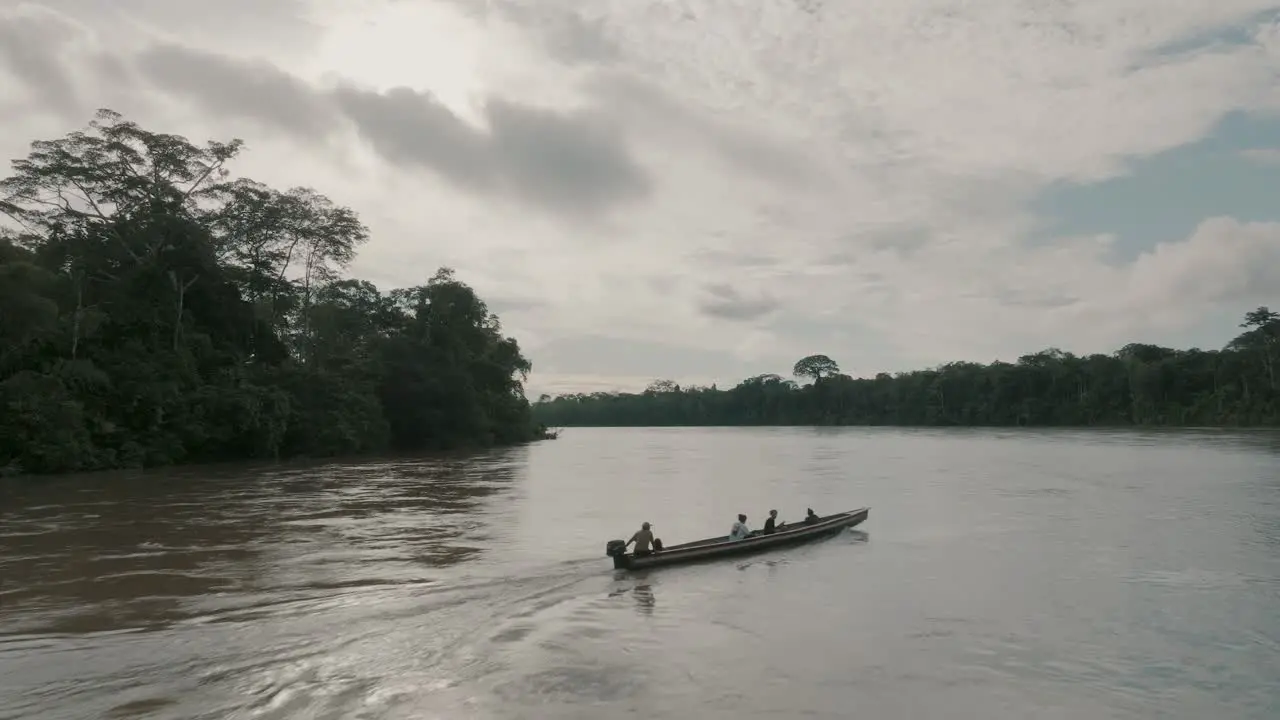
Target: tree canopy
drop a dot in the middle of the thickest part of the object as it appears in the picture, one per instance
(815, 367)
(155, 310)
(1137, 385)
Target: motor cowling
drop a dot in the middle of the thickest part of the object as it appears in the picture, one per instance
(614, 548)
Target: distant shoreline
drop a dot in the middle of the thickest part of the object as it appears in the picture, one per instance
(1097, 426)
(282, 463)
(1139, 385)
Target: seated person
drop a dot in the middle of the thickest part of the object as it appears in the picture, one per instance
(643, 538)
(811, 518)
(740, 531)
(769, 527)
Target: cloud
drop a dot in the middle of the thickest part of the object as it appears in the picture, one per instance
(577, 40)
(705, 190)
(567, 35)
(570, 35)
(571, 162)
(640, 104)
(724, 301)
(562, 159)
(32, 41)
(1224, 260)
(1068, 290)
(602, 355)
(278, 26)
(731, 259)
(229, 87)
(1262, 156)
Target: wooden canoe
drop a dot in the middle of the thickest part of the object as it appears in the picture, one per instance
(722, 546)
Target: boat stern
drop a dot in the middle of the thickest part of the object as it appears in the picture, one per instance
(617, 549)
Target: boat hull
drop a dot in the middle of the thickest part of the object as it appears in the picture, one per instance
(718, 547)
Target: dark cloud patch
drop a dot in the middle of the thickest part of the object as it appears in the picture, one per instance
(726, 302)
(406, 126)
(242, 88)
(563, 160)
(31, 43)
(573, 163)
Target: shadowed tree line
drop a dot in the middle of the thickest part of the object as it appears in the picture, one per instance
(1138, 385)
(155, 310)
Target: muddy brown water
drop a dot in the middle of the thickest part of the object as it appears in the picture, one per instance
(1027, 574)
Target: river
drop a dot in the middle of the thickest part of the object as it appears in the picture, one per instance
(1001, 574)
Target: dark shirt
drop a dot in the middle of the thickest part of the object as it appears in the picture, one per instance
(810, 519)
(768, 525)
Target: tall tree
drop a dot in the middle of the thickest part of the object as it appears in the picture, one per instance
(815, 367)
(1262, 337)
(155, 310)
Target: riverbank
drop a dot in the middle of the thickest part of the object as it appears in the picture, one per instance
(297, 463)
(220, 325)
(1136, 386)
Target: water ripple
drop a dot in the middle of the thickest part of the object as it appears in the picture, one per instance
(1003, 574)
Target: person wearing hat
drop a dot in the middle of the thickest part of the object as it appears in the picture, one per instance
(643, 539)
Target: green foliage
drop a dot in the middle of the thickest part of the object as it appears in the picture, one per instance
(1137, 385)
(152, 311)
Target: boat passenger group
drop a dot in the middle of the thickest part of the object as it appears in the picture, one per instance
(646, 543)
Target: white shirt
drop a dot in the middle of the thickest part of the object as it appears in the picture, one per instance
(739, 531)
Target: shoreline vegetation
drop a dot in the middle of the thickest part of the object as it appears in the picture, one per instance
(155, 311)
(1138, 385)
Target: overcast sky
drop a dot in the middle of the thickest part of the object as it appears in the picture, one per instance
(705, 190)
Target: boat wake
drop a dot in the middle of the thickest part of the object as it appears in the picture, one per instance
(369, 649)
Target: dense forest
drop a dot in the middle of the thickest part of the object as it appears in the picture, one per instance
(1137, 385)
(154, 309)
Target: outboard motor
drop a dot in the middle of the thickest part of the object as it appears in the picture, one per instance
(615, 548)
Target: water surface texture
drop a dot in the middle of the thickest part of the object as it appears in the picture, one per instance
(1028, 574)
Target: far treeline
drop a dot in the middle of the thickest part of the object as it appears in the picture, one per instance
(155, 310)
(1137, 385)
